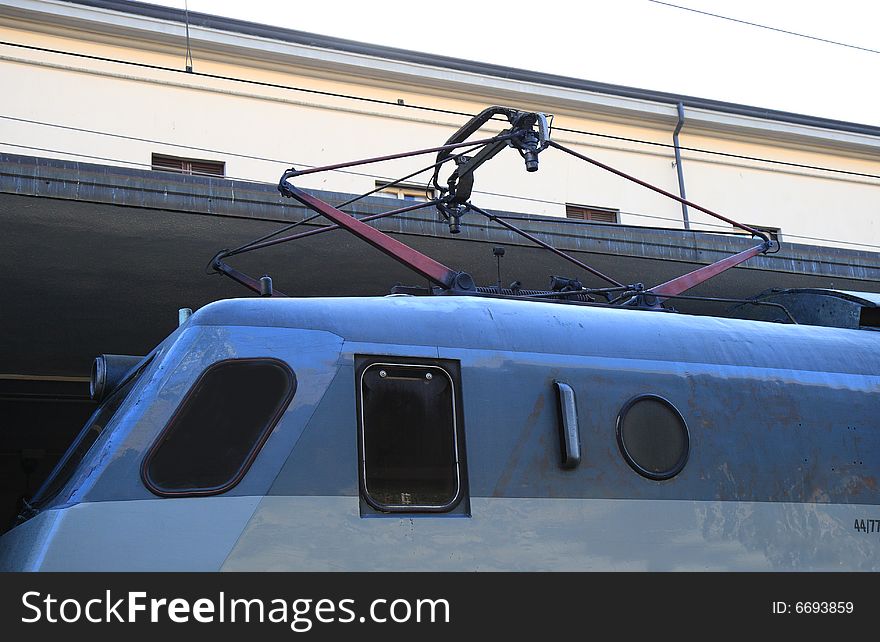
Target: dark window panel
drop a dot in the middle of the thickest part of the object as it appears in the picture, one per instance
(409, 438)
(217, 431)
(653, 437)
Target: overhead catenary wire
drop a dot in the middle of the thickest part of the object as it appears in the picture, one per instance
(767, 27)
(249, 81)
(497, 194)
(700, 150)
(221, 152)
(408, 105)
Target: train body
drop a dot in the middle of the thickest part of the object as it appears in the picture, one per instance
(473, 433)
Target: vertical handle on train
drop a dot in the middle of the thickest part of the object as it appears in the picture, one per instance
(569, 433)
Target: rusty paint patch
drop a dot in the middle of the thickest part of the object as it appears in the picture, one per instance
(525, 435)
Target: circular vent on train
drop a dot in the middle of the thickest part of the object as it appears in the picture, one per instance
(653, 437)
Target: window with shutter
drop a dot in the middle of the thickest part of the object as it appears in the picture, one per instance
(404, 191)
(188, 165)
(590, 213)
(775, 233)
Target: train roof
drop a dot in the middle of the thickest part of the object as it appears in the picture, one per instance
(516, 325)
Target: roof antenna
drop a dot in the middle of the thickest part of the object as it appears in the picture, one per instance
(189, 58)
(498, 251)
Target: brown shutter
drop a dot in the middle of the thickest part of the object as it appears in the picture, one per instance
(587, 213)
(188, 165)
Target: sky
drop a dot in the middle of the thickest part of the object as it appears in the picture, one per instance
(637, 43)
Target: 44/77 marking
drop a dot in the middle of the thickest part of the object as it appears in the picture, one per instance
(867, 525)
